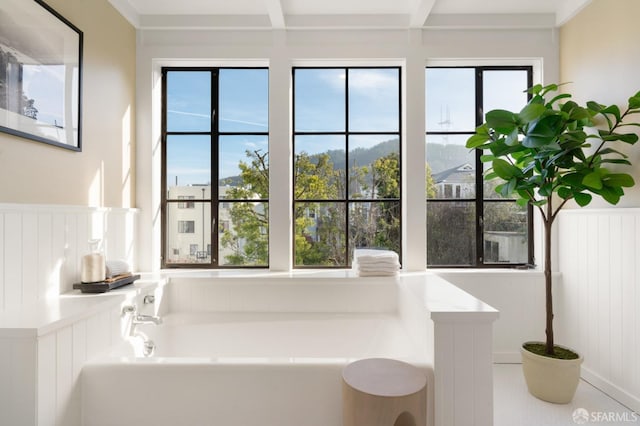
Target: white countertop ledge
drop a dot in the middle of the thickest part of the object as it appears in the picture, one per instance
(445, 302)
(50, 314)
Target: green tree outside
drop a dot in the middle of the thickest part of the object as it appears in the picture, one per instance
(320, 228)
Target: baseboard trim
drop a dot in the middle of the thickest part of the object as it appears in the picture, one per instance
(615, 392)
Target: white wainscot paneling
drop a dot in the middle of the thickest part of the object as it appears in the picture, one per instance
(18, 381)
(41, 247)
(518, 295)
(598, 300)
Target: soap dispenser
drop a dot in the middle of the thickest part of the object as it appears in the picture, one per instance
(93, 265)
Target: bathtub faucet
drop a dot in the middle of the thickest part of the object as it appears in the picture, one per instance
(140, 318)
(146, 319)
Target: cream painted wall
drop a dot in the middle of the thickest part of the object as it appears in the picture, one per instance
(600, 56)
(103, 174)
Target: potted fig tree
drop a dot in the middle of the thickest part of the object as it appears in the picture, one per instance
(551, 152)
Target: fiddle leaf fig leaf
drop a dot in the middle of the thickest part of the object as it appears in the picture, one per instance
(557, 98)
(629, 138)
(610, 195)
(634, 101)
(536, 89)
(512, 138)
(616, 161)
(479, 138)
(502, 121)
(543, 132)
(549, 88)
(582, 198)
(490, 176)
(564, 192)
(619, 179)
(531, 112)
(504, 169)
(612, 151)
(613, 110)
(594, 106)
(477, 141)
(592, 180)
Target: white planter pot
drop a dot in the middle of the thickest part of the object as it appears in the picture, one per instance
(550, 379)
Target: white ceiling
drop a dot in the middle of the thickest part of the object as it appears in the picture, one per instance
(280, 14)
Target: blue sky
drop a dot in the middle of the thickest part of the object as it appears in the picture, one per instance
(243, 107)
(374, 105)
(450, 100)
(450, 94)
(319, 107)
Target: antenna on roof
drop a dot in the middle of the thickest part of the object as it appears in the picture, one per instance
(445, 121)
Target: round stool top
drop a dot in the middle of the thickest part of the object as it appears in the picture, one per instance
(384, 377)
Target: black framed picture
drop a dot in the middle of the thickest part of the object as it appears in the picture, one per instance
(40, 74)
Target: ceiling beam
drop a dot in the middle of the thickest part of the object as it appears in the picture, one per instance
(125, 9)
(274, 7)
(421, 13)
(568, 9)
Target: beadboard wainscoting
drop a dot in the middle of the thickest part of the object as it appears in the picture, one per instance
(41, 374)
(42, 245)
(598, 300)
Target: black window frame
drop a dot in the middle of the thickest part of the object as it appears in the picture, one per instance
(214, 198)
(480, 200)
(346, 201)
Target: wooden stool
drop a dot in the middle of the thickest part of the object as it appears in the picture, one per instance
(383, 392)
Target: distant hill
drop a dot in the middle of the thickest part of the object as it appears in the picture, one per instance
(362, 156)
(439, 156)
(443, 157)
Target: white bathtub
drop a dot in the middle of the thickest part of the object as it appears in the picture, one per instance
(269, 351)
(243, 368)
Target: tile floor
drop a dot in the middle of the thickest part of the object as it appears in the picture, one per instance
(514, 406)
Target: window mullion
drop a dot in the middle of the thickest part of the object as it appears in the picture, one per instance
(346, 166)
(215, 167)
(479, 174)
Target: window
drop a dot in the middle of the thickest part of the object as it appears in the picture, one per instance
(468, 224)
(186, 226)
(215, 154)
(346, 163)
(186, 205)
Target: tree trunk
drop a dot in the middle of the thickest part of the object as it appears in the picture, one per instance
(548, 285)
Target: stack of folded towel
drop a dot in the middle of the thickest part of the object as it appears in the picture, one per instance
(375, 263)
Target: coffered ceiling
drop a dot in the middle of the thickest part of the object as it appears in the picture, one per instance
(310, 14)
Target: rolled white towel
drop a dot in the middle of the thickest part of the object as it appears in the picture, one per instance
(117, 267)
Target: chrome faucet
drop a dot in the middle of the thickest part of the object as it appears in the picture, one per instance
(148, 346)
(146, 319)
(140, 318)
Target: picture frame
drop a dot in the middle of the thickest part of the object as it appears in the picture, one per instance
(40, 74)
